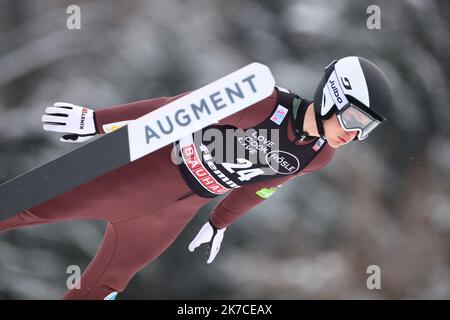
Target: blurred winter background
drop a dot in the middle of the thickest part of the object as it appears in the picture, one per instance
(384, 202)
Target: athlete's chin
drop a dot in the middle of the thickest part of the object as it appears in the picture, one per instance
(335, 144)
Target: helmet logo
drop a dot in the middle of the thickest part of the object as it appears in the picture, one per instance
(335, 91)
(346, 83)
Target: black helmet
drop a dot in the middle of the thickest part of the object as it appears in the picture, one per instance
(357, 90)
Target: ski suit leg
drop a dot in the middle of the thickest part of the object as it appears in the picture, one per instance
(130, 191)
(146, 204)
(130, 245)
(22, 219)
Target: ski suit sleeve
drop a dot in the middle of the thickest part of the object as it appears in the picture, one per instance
(129, 111)
(243, 199)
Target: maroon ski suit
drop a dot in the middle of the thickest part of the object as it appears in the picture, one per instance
(147, 203)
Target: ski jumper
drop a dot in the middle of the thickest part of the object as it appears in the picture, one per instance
(148, 202)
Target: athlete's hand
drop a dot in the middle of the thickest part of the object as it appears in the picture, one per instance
(65, 117)
(212, 236)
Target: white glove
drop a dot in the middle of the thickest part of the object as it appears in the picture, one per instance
(65, 117)
(211, 235)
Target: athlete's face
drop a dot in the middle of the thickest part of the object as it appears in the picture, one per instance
(335, 134)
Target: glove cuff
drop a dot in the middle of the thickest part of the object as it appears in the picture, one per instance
(213, 226)
(94, 116)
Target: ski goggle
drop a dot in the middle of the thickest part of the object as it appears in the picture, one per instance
(351, 118)
(352, 115)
